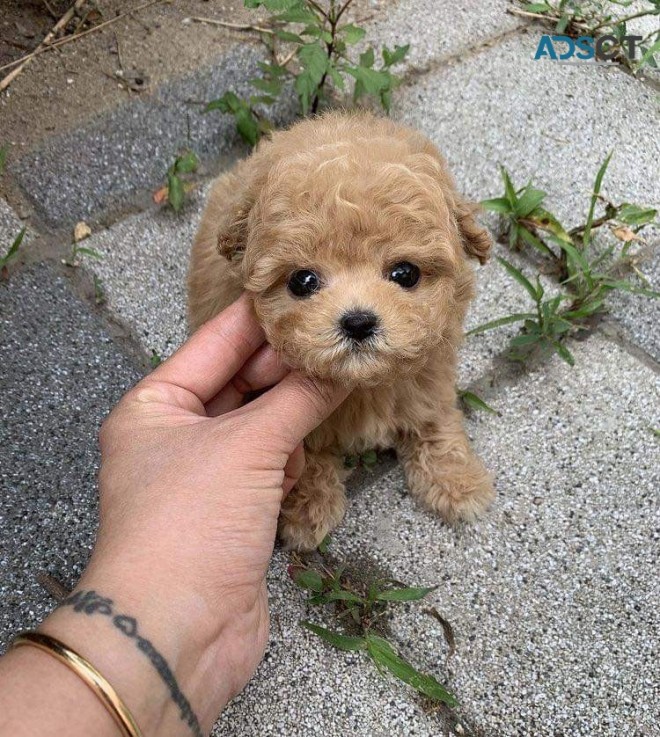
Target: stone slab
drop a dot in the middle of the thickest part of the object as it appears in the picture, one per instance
(61, 373)
(105, 163)
(552, 123)
(439, 29)
(552, 596)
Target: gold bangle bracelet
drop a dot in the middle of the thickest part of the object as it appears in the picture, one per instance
(88, 674)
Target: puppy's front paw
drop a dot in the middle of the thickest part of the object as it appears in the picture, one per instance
(456, 488)
(304, 522)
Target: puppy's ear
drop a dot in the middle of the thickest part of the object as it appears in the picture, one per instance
(232, 234)
(477, 241)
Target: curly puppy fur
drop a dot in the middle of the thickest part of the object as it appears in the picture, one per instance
(349, 196)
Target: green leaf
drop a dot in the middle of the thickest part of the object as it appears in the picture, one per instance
(564, 353)
(500, 205)
(520, 278)
(13, 249)
(352, 34)
(578, 263)
(390, 58)
(635, 215)
(309, 579)
(384, 656)
(288, 36)
(476, 402)
(516, 317)
(351, 461)
(247, 126)
(537, 7)
(372, 81)
(228, 103)
(526, 235)
(315, 64)
(409, 593)
(594, 198)
(88, 252)
(367, 58)
(545, 220)
(509, 189)
(522, 340)
(343, 642)
(186, 163)
(175, 193)
(345, 596)
(369, 458)
(529, 200)
(324, 544)
(336, 77)
(3, 158)
(649, 53)
(269, 86)
(627, 286)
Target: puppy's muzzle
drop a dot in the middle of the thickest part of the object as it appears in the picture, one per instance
(358, 325)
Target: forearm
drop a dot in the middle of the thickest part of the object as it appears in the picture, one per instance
(165, 666)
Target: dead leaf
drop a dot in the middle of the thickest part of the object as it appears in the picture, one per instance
(160, 196)
(625, 234)
(81, 231)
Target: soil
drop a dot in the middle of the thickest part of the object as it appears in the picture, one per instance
(60, 88)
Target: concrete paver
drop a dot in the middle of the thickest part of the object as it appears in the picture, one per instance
(61, 373)
(552, 595)
(552, 123)
(440, 29)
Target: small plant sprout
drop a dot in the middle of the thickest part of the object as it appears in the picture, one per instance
(174, 192)
(155, 359)
(360, 609)
(321, 44)
(475, 402)
(587, 275)
(368, 459)
(11, 253)
(99, 292)
(80, 232)
(595, 18)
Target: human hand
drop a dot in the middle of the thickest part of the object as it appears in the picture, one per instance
(191, 483)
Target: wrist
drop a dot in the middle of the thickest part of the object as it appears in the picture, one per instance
(153, 644)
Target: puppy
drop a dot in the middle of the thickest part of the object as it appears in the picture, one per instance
(347, 232)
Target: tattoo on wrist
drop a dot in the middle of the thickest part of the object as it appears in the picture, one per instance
(91, 603)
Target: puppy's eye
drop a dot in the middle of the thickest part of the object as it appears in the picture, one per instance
(304, 283)
(405, 274)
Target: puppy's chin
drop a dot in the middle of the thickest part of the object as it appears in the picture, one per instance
(362, 364)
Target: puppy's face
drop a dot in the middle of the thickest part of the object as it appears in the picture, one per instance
(357, 266)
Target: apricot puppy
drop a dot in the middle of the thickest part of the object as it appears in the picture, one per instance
(349, 235)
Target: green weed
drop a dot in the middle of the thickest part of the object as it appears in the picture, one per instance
(359, 607)
(320, 57)
(587, 276)
(12, 253)
(174, 192)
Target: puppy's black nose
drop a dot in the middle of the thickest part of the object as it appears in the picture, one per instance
(359, 325)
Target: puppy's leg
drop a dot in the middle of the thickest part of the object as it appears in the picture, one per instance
(317, 503)
(443, 471)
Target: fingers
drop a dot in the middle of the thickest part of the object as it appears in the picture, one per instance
(293, 469)
(206, 362)
(297, 405)
(263, 369)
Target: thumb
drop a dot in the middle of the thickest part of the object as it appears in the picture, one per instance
(297, 405)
